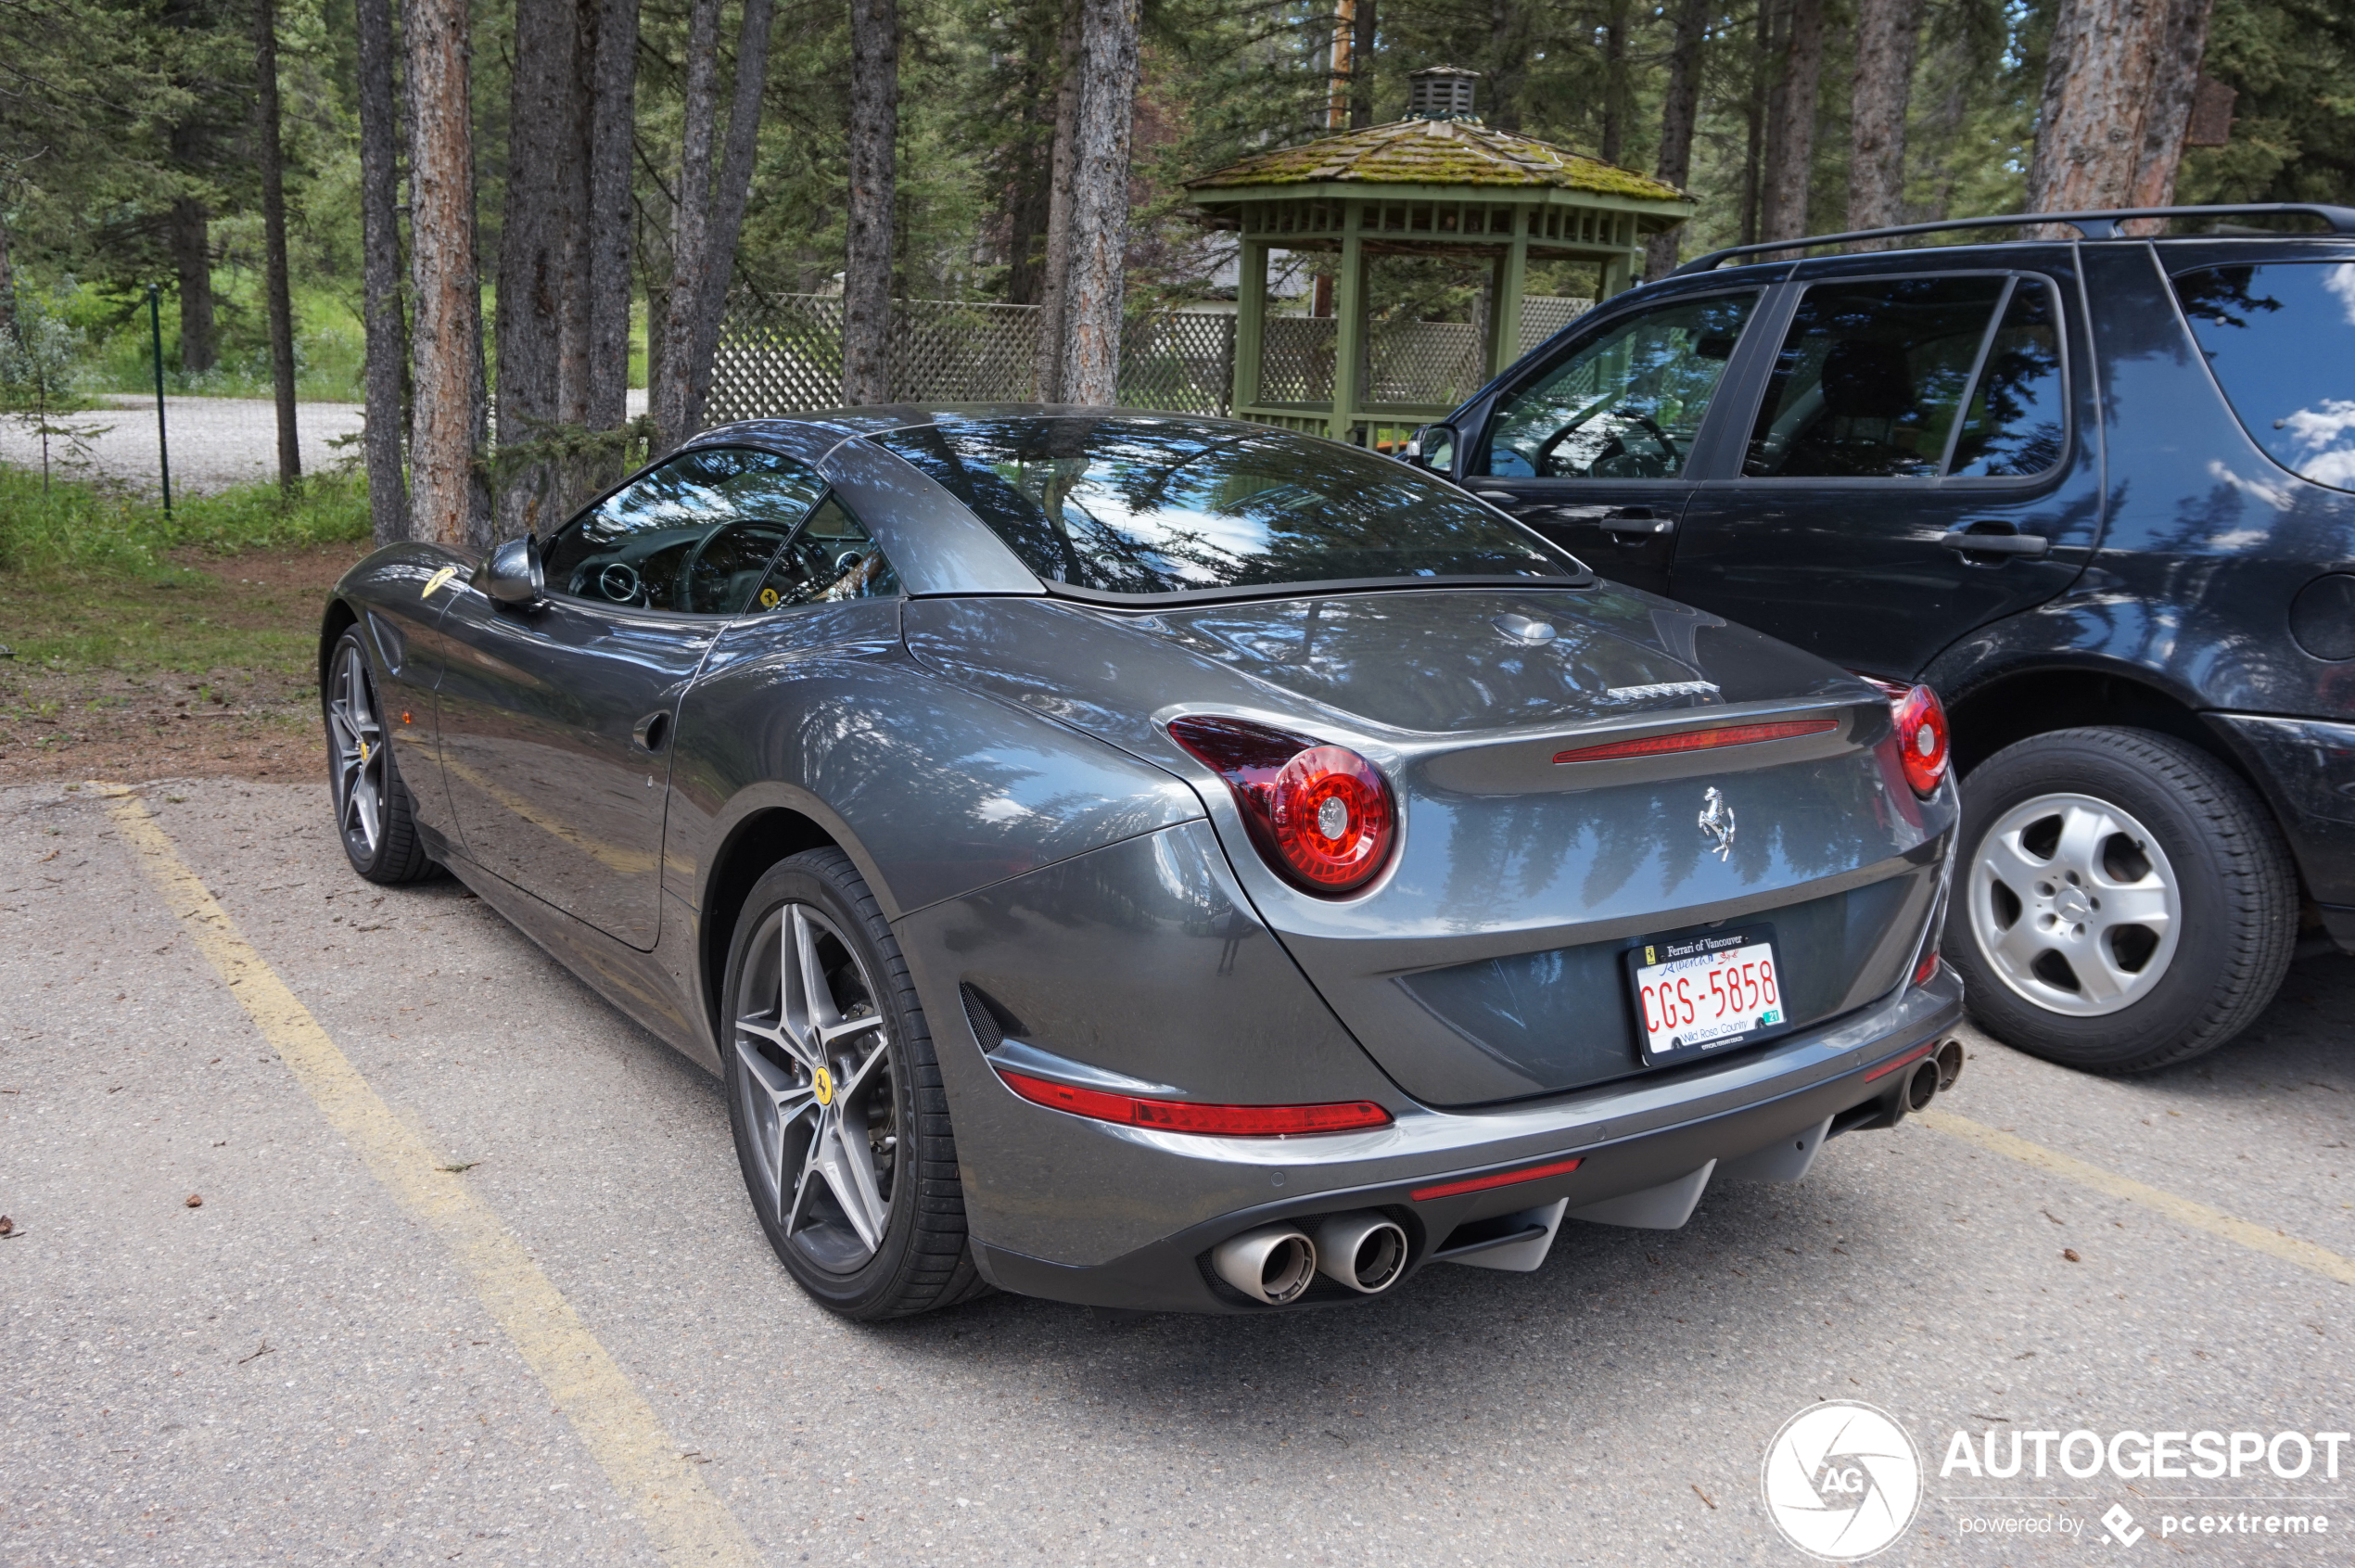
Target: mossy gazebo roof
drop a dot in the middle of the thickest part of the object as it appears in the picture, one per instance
(1436, 182)
(1425, 153)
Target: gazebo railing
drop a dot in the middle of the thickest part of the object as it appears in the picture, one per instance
(781, 352)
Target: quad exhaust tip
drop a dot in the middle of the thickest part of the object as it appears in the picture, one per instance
(1950, 1064)
(1363, 1251)
(1273, 1264)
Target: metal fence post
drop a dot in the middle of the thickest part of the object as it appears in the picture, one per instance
(163, 446)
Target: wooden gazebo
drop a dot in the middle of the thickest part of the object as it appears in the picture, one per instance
(1437, 182)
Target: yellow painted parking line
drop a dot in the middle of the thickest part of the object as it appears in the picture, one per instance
(2199, 1217)
(683, 1518)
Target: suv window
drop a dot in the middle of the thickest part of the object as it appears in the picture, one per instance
(1872, 376)
(2280, 339)
(1626, 403)
(692, 534)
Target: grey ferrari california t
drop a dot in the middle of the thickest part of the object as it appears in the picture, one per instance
(1161, 863)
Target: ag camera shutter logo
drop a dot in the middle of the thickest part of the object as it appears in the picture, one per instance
(1843, 1480)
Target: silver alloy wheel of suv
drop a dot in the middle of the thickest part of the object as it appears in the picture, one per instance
(2075, 904)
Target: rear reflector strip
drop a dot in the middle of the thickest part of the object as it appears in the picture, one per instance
(1482, 1183)
(1185, 1115)
(1698, 740)
(1910, 1057)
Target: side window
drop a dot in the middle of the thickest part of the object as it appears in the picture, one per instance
(2279, 337)
(1626, 403)
(693, 534)
(829, 560)
(2016, 424)
(1870, 378)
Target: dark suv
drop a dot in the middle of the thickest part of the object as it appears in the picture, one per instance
(2094, 490)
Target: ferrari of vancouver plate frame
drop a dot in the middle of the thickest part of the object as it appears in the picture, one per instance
(1705, 992)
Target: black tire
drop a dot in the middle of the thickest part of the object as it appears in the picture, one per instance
(893, 1113)
(2210, 961)
(375, 817)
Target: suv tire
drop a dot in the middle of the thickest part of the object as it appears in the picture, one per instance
(2202, 902)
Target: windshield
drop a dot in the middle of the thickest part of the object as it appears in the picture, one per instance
(1130, 505)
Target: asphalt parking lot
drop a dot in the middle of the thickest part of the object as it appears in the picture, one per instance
(556, 1333)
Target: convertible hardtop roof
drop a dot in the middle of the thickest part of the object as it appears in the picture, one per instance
(881, 420)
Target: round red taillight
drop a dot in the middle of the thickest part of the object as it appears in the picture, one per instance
(1320, 815)
(1330, 814)
(1921, 739)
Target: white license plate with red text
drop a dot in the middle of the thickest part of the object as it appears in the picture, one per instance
(1702, 993)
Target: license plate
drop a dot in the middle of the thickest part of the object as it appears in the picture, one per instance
(1702, 993)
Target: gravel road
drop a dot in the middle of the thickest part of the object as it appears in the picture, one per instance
(304, 1370)
(216, 442)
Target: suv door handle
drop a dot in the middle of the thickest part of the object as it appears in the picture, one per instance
(1499, 496)
(1640, 522)
(1974, 544)
(651, 731)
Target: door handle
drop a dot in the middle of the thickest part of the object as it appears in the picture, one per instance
(1639, 522)
(651, 731)
(1499, 496)
(1971, 543)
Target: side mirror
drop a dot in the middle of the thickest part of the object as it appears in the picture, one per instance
(1432, 447)
(513, 573)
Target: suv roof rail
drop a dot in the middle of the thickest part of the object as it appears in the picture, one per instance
(2093, 226)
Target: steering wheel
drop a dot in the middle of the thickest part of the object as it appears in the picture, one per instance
(1618, 444)
(618, 582)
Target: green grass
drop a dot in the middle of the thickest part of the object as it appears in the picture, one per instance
(95, 578)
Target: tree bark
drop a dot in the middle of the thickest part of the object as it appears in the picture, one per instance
(449, 503)
(874, 140)
(190, 231)
(1100, 202)
(728, 202)
(1888, 31)
(2118, 89)
(1361, 65)
(2167, 114)
(1772, 24)
(1029, 179)
(690, 223)
(1679, 112)
(613, 121)
(546, 191)
(1790, 143)
(273, 240)
(1052, 295)
(380, 271)
(1614, 138)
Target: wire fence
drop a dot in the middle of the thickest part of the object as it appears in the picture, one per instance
(779, 354)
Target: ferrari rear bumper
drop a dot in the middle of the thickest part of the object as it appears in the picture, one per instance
(1455, 1181)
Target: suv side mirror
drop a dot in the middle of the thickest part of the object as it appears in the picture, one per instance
(513, 573)
(1434, 447)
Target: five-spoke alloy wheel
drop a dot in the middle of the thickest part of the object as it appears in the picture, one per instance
(372, 814)
(841, 1123)
(2122, 899)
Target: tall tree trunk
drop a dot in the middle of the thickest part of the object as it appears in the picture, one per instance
(690, 223)
(728, 202)
(380, 271)
(1053, 294)
(2117, 88)
(1099, 201)
(2167, 113)
(1030, 169)
(1887, 35)
(449, 503)
(613, 120)
(1679, 111)
(1361, 65)
(1790, 145)
(874, 141)
(190, 229)
(7, 285)
(1766, 73)
(1615, 95)
(273, 240)
(547, 188)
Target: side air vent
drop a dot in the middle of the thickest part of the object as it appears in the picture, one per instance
(991, 1023)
